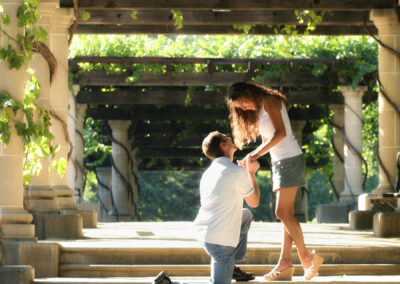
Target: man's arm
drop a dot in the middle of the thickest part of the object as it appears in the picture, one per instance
(253, 199)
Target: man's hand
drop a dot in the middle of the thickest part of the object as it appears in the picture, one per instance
(250, 164)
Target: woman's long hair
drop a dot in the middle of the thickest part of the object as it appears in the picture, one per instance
(244, 124)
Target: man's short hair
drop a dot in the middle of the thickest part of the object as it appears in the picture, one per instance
(211, 147)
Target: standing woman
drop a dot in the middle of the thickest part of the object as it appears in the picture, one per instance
(256, 110)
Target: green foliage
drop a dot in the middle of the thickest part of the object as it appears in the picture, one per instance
(178, 18)
(319, 190)
(169, 196)
(134, 14)
(245, 28)
(86, 16)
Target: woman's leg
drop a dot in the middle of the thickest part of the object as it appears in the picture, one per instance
(292, 229)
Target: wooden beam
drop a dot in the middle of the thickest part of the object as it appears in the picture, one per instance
(208, 60)
(185, 79)
(191, 18)
(179, 97)
(201, 128)
(188, 113)
(336, 30)
(327, 5)
(179, 153)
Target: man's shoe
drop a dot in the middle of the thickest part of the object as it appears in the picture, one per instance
(240, 275)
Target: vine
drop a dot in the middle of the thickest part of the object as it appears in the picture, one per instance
(30, 121)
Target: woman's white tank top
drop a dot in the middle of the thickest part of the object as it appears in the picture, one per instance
(288, 146)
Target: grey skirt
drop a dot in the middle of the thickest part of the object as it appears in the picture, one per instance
(289, 172)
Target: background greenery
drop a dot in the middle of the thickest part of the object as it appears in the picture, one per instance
(174, 195)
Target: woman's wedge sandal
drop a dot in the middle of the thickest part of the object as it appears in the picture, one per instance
(316, 262)
(274, 274)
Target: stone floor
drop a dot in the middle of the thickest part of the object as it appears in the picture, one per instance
(150, 236)
(177, 234)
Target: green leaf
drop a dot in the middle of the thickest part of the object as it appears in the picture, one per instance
(178, 17)
(86, 16)
(134, 14)
(60, 166)
(6, 19)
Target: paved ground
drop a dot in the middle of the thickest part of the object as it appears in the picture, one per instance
(182, 234)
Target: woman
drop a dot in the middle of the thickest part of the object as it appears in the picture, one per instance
(256, 110)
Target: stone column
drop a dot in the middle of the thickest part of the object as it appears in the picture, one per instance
(59, 96)
(78, 149)
(39, 196)
(104, 188)
(123, 206)
(338, 162)
(15, 222)
(301, 201)
(389, 72)
(353, 131)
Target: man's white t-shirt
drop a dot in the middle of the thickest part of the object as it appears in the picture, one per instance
(222, 188)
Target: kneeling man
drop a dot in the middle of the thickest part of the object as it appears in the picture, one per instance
(222, 223)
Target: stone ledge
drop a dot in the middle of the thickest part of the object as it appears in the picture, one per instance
(386, 224)
(54, 226)
(89, 217)
(17, 274)
(361, 220)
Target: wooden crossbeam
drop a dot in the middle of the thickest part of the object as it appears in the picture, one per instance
(202, 128)
(335, 30)
(185, 79)
(180, 97)
(188, 113)
(338, 5)
(192, 18)
(207, 60)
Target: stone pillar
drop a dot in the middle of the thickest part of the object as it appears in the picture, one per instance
(389, 72)
(59, 96)
(78, 150)
(124, 209)
(353, 130)
(104, 189)
(15, 222)
(338, 162)
(301, 201)
(39, 196)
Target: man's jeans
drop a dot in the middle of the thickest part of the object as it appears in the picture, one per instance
(224, 257)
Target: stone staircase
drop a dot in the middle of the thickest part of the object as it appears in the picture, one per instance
(128, 261)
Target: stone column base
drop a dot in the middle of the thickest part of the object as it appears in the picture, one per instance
(21, 274)
(386, 224)
(43, 257)
(55, 226)
(333, 213)
(40, 199)
(361, 220)
(65, 197)
(89, 217)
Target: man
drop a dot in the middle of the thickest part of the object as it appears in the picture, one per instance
(222, 223)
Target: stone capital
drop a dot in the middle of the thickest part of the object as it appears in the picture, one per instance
(62, 20)
(119, 125)
(350, 92)
(385, 18)
(47, 8)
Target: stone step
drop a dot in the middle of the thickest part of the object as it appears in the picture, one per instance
(99, 270)
(197, 255)
(346, 279)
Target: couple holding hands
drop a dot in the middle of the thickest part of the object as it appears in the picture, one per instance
(222, 223)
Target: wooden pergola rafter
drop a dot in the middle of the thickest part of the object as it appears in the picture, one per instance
(219, 17)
